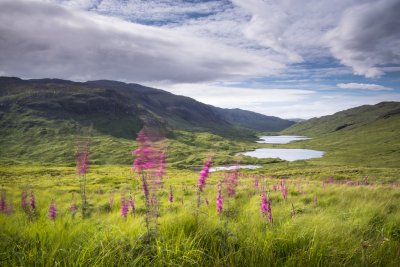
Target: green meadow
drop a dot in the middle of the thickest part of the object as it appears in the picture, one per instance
(340, 210)
(335, 222)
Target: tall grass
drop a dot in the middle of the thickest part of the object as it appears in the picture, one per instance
(349, 225)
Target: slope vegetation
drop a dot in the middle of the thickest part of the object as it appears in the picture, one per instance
(363, 136)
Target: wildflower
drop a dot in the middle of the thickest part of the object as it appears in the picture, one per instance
(263, 207)
(219, 199)
(274, 187)
(82, 157)
(284, 189)
(3, 202)
(207, 202)
(52, 210)
(24, 200)
(231, 182)
(256, 182)
(32, 202)
(124, 208)
(203, 175)
(269, 212)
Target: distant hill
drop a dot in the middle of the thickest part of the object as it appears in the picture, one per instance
(102, 102)
(368, 135)
(346, 120)
(43, 117)
(252, 120)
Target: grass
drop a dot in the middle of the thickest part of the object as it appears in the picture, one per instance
(349, 225)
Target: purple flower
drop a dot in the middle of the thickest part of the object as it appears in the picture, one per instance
(284, 189)
(207, 202)
(3, 202)
(82, 157)
(24, 200)
(124, 208)
(230, 181)
(52, 210)
(220, 201)
(263, 207)
(269, 212)
(274, 187)
(33, 201)
(201, 183)
(256, 182)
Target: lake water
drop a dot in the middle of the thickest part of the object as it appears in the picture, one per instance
(281, 139)
(229, 168)
(289, 154)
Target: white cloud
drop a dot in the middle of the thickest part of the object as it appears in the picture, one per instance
(363, 86)
(367, 37)
(39, 39)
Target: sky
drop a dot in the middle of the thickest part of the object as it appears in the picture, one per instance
(285, 58)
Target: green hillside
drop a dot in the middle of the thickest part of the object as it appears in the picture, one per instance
(41, 121)
(345, 120)
(363, 136)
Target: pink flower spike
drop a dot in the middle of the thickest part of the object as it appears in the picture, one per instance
(201, 183)
(220, 201)
(269, 212)
(263, 207)
(3, 202)
(52, 211)
(124, 208)
(24, 200)
(33, 201)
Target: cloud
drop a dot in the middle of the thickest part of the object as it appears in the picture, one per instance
(231, 97)
(368, 37)
(40, 39)
(363, 86)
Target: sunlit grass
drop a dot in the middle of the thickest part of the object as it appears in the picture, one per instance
(348, 225)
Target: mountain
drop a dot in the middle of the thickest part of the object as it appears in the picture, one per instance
(346, 120)
(363, 136)
(252, 120)
(101, 102)
(42, 118)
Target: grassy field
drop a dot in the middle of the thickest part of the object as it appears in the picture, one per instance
(336, 223)
(345, 204)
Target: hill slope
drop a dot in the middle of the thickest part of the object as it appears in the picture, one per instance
(40, 120)
(363, 136)
(345, 120)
